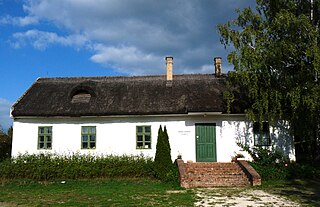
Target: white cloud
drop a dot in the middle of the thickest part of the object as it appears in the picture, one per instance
(136, 62)
(41, 40)
(206, 69)
(19, 21)
(5, 120)
(131, 35)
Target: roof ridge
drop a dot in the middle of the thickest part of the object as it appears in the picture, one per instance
(122, 77)
(87, 77)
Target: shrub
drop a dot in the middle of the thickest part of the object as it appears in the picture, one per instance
(269, 172)
(274, 165)
(265, 156)
(303, 171)
(269, 163)
(50, 167)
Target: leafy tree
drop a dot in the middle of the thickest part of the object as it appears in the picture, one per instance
(5, 143)
(163, 162)
(276, 57)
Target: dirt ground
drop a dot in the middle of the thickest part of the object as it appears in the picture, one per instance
(240, 198)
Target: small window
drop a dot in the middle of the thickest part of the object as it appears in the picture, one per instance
(45, 137)
(261, 135)
(88, 137)
(143, 137)
(81, 96)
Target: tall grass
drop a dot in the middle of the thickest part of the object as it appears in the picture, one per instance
(75, 166)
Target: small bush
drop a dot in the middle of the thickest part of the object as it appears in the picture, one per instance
(274, 165)
(269, 172)
(303, 171)
(50, 167)
(269, 163)
(265, 156)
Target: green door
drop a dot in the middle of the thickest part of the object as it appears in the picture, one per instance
(206, 143)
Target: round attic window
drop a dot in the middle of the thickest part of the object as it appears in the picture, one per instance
(82, 93)
(81, 96)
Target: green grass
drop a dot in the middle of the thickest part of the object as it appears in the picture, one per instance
(305, 192)
(135, 192)
(98, 192)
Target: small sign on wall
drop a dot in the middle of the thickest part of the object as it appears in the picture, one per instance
(184, 132)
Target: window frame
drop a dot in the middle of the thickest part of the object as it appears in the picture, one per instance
(261, 136)
(89, 140)
(46, 133)
(143, 134)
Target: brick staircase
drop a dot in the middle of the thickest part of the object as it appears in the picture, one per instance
(212, 174)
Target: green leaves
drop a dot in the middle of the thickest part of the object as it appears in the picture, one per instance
(5, 143)
(75, 166)
(276, 57)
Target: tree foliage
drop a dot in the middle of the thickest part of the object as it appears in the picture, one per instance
(276, 57)
(5, 143)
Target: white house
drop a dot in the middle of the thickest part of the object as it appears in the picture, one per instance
(122, 115)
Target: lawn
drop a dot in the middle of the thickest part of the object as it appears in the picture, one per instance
(117, 192)
(135, 192)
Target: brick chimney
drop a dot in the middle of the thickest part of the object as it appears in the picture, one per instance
(169, 67)
(218, 66)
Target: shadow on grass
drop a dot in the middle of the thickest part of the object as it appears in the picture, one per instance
(306, 192)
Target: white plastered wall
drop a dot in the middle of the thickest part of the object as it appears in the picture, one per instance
(117, 135)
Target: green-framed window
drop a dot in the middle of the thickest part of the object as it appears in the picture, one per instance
(88, 137)
(45, 137)
(261, 135)
(143, 137)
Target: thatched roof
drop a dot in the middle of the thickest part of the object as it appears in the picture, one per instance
(105, 96)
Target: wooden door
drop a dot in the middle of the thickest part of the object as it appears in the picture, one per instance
(206, 143)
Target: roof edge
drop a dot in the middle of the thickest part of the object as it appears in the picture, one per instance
(23, 95)
(129, 76)
(123, 116)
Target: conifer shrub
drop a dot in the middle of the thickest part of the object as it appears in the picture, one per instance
(164, 169)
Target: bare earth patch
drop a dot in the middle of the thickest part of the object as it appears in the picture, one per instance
(240, 198)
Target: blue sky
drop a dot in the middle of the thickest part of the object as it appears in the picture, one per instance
(61, 38)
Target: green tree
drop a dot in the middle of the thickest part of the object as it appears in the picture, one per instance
(5, 143)
(163, 162)
(276, 57)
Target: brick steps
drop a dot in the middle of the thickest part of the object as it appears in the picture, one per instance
(212, 174)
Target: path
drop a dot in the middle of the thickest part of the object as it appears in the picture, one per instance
(240, 198)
